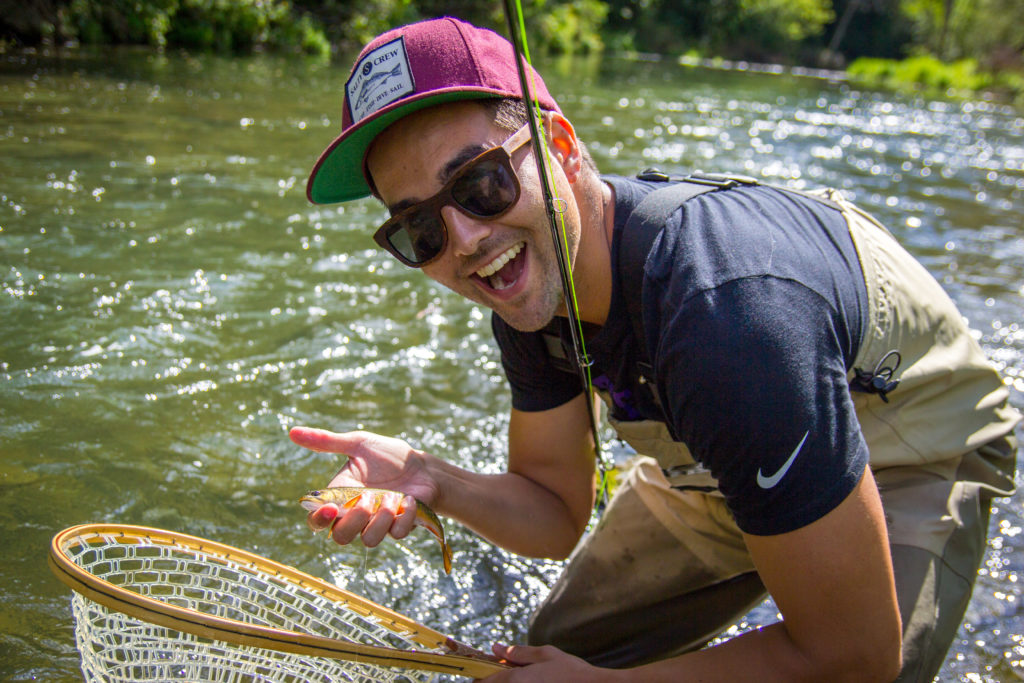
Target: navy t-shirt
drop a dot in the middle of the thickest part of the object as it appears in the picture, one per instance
(753, 306)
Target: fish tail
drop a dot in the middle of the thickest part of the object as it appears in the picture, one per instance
(429, 521)
(446, 551)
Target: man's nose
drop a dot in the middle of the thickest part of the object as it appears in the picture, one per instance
(465, 233)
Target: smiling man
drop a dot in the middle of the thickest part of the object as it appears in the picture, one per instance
(814, 418)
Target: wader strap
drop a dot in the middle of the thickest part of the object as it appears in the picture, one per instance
(647, 221)
(644, 225)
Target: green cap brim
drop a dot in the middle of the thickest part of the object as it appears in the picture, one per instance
(340, 174)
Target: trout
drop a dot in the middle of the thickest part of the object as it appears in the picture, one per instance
(348, 496)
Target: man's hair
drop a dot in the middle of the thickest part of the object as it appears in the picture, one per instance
(510, 114)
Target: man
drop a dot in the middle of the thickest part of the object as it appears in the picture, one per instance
(819, 421)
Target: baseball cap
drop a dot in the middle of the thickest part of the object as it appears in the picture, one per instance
(402, 71)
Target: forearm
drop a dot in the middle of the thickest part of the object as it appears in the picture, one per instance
(767, 655)
(508, 509)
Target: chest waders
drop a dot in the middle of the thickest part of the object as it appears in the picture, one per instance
(666, 568)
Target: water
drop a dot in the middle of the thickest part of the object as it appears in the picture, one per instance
(171, 304)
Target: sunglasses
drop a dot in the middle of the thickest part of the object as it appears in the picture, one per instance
(485, 187)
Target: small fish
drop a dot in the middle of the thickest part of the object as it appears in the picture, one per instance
(348, 496)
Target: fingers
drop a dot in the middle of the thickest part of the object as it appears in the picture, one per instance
(406, 518)
(500, 651)
(354, 517)
(523, 654)
(323, 517)
(383, 519)
(544, 663)
(396, 514)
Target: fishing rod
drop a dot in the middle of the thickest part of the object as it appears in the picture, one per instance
(556, 214)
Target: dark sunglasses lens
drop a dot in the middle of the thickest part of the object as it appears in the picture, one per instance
(485, 189)
(420, 237)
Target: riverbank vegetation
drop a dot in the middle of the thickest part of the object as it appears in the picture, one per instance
(940, 45)
(222, 25)
(928, 74)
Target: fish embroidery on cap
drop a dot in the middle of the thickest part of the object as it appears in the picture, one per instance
(380, 78)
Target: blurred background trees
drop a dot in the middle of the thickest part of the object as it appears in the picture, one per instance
(962, 39)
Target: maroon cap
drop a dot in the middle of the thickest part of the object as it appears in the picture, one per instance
(405, 70)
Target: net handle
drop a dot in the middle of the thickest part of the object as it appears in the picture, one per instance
(463, 660)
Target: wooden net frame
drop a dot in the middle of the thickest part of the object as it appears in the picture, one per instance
(151, 604)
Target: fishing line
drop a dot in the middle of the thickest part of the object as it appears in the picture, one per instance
(559, 235)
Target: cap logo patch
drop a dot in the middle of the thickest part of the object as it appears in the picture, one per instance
(380, 78)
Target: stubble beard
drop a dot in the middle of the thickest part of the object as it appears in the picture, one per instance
(550, 301)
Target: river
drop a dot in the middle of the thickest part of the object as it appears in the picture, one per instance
(171, 305)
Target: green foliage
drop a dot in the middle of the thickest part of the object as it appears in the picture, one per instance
(929, 75)
(788, 20)
(303, 34)
(990, 30)
(373, 17)
(223, 25)
(982, 39)
(866, 28)
(555, 26)
(126, 21)
(767, 29)
(573, 28)
(927, 18)
(489, 13)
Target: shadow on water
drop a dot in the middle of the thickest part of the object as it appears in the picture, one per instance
(172, 304)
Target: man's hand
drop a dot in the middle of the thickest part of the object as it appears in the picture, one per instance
(538, 507)
(546, 663)
(377, 462)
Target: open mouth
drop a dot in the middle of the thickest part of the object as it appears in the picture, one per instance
(504, 271)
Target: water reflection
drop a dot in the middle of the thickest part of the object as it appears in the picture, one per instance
(172, 304)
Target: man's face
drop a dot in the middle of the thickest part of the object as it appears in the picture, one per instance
(507, 264)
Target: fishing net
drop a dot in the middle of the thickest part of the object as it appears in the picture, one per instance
(194, 593)
(116, 647)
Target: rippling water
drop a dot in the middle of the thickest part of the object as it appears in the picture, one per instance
(171, 305)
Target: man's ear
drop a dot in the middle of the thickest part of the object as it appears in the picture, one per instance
(564, 145)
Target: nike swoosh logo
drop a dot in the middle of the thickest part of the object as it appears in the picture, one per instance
(769, 482)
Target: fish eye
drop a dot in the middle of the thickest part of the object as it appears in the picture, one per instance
(314, 493)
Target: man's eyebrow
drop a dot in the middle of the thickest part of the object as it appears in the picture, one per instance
(398, 207)
(465, 155)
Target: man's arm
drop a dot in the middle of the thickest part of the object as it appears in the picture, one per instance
(831, 580)
(539, 507)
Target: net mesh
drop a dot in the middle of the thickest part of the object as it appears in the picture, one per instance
(117, 647)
